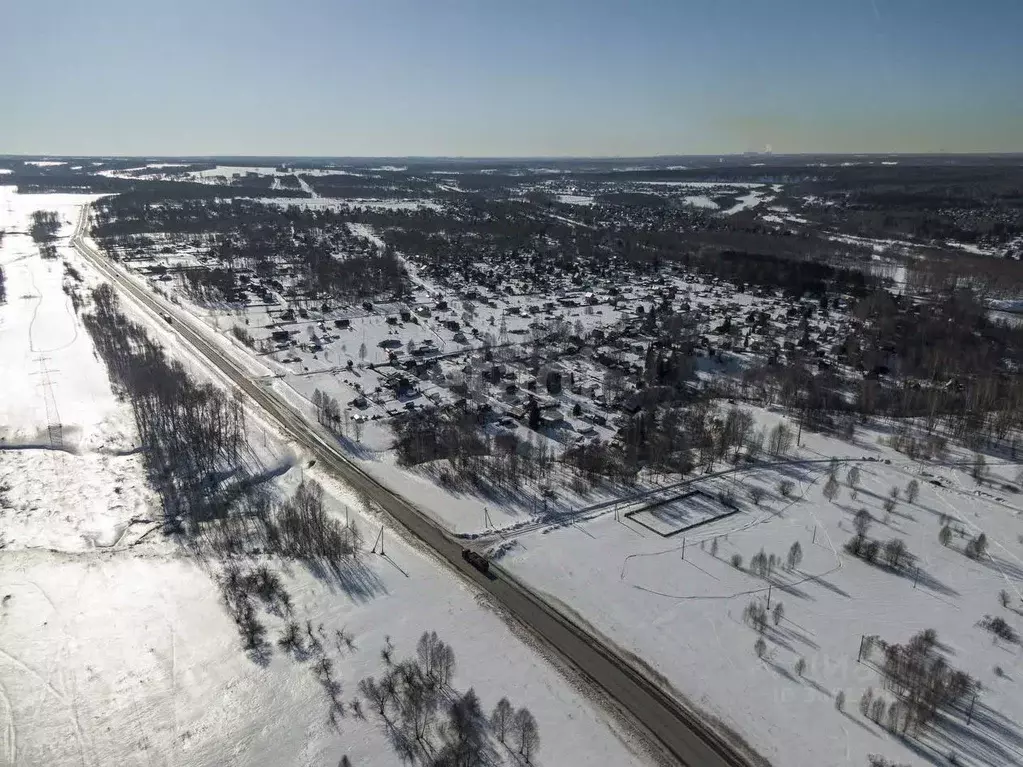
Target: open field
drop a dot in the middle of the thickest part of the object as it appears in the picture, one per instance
(680, 605)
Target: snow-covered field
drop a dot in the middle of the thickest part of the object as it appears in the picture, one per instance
(679, 607)
(115, 645)
(78, 484)
(130, 657)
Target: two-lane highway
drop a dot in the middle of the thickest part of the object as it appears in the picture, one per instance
(679, 731)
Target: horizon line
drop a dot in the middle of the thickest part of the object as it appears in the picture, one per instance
(482, 158)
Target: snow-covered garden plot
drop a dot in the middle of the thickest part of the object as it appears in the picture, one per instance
(689, 607)
(670, 517)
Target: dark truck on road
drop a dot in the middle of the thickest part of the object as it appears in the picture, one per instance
(478, 561)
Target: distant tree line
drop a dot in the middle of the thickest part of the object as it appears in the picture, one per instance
(41, 181)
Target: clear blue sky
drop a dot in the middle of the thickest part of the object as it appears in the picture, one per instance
(509, 77)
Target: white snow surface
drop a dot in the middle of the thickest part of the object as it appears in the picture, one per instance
(133, 659)
(701, 201)
(1007, 305)
(80, 485)
(683, 613)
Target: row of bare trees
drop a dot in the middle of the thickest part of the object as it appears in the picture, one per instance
(192, 434)
(430, 723)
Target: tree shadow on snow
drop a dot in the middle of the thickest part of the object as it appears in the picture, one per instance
(355, 579)
(829, 586)
(991, 738)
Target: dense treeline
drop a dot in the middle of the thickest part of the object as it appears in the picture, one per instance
(794, 276)
(943, 361)
(192, 434)
(45, 225)
(30, 182)
(348, 186)
(668, 437)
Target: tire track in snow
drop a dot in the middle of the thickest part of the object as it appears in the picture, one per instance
(4, 655)
(70, 700)
(957, 515)
(11, 735)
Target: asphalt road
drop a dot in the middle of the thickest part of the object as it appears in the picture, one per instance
(678, 731)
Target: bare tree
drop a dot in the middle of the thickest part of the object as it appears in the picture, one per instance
(840, 700)
(779, 613)
(866, 700)
(945, 535)
(760, 647)
(976, 548)
(501, 718)
(800, 667)
(895, 553)
(831, 488)
(979, 469)
(755, 614)
(291, 637)
(526, 733)
(780, 441)
(464, 732)
(852, 478)
(912, 491)
(877, 709)
(795, 556)
(861, 522)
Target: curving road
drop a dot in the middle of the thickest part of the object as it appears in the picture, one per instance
(679, 731)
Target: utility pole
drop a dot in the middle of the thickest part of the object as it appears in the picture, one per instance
(769, 587)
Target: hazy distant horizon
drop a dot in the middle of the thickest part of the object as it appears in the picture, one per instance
(530, 79)
(513, 158)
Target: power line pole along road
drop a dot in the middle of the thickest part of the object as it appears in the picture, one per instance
(679, 731)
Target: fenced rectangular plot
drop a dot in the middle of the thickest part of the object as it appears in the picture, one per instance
(677, 515)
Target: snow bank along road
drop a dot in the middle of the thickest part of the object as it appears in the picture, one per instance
(677, 729)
